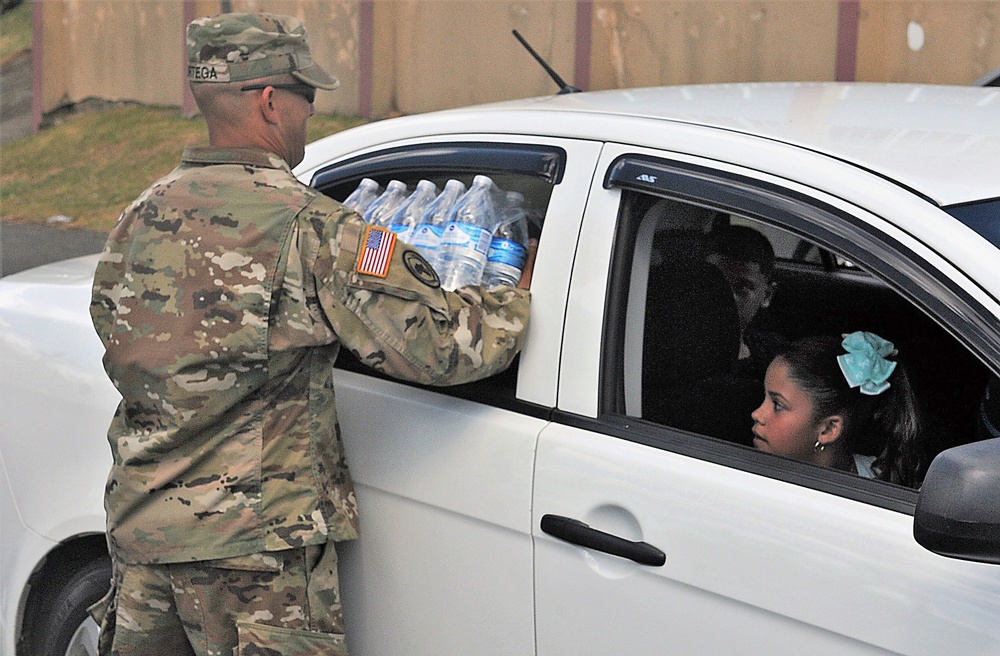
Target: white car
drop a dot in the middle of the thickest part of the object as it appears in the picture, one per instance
(602, 496)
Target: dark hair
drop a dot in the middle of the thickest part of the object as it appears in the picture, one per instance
(887, 425)
(745, 244)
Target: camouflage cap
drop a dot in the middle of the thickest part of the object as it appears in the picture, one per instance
(238, 47)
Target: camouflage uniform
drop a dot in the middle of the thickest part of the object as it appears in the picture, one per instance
(222, 297)
(284, 603)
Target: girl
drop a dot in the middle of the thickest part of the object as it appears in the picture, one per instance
(842, 404)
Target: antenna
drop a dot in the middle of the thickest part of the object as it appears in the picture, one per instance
(563, 87)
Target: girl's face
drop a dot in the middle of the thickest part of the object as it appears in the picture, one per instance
(784, 423)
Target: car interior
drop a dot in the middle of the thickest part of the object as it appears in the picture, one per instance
(682, 332)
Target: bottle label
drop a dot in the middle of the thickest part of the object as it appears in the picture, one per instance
(403, 232)
(466, 235)
(505, 251)
(427, 236)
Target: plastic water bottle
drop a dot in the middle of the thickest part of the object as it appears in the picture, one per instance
(405, 219)
(382, 208)
(366, 192)
(466, 237)
(427, 235)
(509, 246)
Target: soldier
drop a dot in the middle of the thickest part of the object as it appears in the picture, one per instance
(222, 297)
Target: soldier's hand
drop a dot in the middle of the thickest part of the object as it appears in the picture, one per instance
(529, 264)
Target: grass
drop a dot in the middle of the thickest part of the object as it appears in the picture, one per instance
(90, 167)
(15, 31)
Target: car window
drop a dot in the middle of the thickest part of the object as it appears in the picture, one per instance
(792, 249)
(530, 170)
(695, 343)
(983, 217)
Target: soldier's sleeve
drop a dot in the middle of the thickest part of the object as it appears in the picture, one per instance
(109, 285)
(386, 305)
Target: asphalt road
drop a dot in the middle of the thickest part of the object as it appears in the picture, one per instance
(26, 246)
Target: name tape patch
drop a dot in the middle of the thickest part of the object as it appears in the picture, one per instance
(377, 251)
(208, 72)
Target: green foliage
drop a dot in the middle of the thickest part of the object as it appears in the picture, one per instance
(15, 31)
(92, 166)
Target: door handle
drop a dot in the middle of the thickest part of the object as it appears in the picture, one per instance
(576, 532)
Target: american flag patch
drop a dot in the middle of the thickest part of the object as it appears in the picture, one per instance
(377, 252)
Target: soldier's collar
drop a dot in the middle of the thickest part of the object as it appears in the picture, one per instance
(234, 155)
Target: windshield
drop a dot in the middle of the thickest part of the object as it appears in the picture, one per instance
(983, 217)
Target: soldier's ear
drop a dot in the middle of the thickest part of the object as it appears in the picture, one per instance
(267, 105)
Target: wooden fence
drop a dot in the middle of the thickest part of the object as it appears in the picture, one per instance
(410, 56)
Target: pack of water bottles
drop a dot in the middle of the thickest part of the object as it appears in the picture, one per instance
(474, 236)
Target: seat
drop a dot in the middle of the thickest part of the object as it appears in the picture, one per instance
(691, 347)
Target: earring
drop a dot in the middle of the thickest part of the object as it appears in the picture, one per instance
(818, 446)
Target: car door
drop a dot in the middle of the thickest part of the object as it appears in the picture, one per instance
(443, 476)
(669, 534)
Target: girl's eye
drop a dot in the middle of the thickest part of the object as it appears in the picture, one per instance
(777, 405)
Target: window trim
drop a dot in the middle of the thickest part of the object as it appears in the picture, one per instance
(746, 459)
(474, 391)
(472, 157)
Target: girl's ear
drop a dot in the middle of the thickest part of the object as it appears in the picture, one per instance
(830, 430)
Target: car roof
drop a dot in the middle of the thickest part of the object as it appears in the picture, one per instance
(941, 141)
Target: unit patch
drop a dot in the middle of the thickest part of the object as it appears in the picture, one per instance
(421, 269)
(377, 251)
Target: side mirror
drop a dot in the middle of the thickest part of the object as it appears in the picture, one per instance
(958, 511)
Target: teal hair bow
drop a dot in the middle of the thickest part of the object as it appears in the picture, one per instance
(865, 365)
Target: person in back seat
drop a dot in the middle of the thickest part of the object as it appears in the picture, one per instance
(746, 259)
(842, 403)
